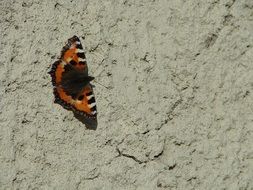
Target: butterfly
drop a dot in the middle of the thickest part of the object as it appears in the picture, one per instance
(71, 82)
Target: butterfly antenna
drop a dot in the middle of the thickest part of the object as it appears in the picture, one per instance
(102, 85)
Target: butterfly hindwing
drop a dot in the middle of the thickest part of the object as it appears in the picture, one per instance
(70, 80)
(85, 103)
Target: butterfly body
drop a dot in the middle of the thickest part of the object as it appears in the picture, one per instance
(71, 82)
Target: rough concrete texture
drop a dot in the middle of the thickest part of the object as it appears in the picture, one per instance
(178, 113)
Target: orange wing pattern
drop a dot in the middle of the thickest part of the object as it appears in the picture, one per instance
(84, 102)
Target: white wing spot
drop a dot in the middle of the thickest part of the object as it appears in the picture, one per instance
(79, 51)
(92, 105)
(81, 59)
(89, 97)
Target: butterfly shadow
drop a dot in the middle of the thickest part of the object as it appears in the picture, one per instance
(89, 123)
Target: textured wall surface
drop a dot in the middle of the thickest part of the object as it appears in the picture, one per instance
(178, 113)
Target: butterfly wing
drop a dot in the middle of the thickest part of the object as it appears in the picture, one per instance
(83, 102)
(73, 53)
